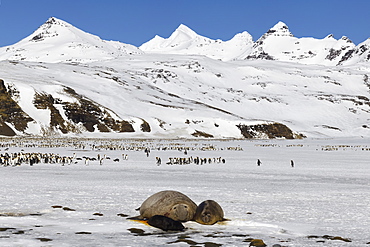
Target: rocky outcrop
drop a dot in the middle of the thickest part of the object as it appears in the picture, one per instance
(271, 131)
(11, 113)
(46, 101)
(84, 111)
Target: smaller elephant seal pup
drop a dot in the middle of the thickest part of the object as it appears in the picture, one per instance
(169, 203)
(208, 213)
(165, 223)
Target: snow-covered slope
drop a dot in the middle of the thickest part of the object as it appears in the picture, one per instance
(185, 41)
(177, 96)
(59, 41)
(63, 81)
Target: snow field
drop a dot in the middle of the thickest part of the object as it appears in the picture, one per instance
(326, 193)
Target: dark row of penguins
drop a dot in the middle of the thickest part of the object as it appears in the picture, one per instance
(17, 159)
(191, 160)
(20, 158)
(29, 158)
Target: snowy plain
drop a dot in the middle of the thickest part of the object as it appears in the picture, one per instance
(325, 195)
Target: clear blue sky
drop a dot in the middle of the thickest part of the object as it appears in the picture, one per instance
(137, 21)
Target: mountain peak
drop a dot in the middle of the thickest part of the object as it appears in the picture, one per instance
(55, 21)
(183, 29)
(346, 39)
(59, 41)
(49, 29)
(280, 29)
(329, 36)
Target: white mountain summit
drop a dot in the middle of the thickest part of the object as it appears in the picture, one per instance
(59, 41)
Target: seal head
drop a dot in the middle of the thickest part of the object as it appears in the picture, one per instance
(208, 213)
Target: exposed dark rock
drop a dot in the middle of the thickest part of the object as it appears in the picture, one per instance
(362, 49)
(346, 56)
(272, 131)
(337, 238)
(3, 229)
(46, 101)
(37, 37)
(98, 214)
(331, 238)
(44, 239)
(262, 55)
(184, 239)
(11, 112)
(145, 127)
(137, 231)
(84, 111)
(68, 209)
(367, 81)
(83, 233)
(198, 133)
(90, 114)
(122, 215)
(330, 127)
(256, 242)
(333, 54)
(5, 130)
(211, 244)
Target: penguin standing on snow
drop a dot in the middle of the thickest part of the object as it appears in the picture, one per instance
(259, 162)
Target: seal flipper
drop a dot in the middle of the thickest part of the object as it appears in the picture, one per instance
(136, 218)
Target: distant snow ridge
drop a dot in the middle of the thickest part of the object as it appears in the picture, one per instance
(59, 41)
(278, 43)
(185, 41)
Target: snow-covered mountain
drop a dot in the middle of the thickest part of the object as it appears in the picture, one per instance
(185, 41)
(59, 41)
(67, 82)
(278, 43)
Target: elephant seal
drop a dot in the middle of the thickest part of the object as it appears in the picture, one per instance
(165, 223)
(208, 213)
(169, 203)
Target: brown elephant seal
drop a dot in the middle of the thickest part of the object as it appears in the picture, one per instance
(169, 203)
(208, 213)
